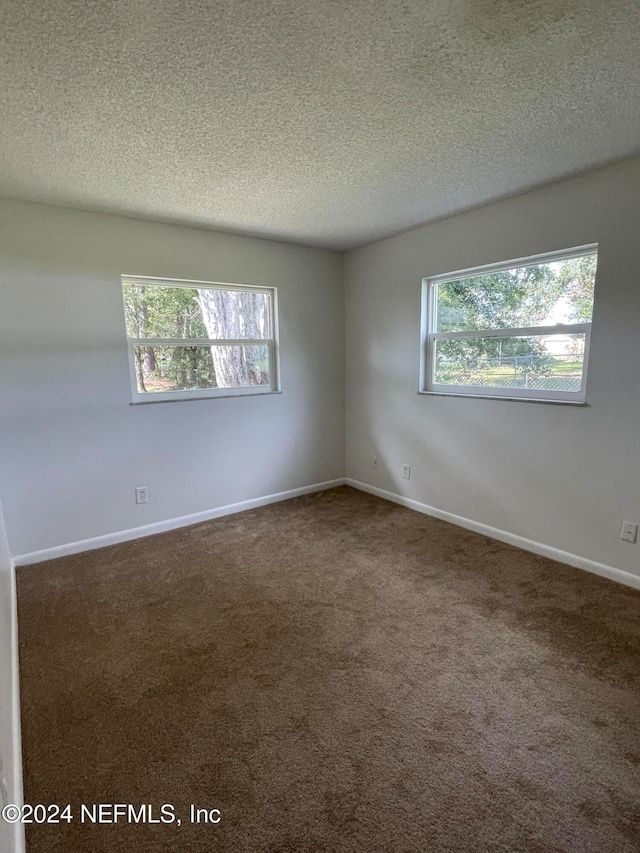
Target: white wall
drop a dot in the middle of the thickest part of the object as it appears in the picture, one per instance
(72, 449)
(10, 758)
(559, 475)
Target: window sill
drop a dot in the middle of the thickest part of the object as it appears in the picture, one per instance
(580, 403)
(209, 397)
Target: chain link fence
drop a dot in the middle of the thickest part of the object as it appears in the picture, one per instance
(538, 372)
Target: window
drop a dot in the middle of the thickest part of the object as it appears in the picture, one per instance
(516, 330)
(190, 339)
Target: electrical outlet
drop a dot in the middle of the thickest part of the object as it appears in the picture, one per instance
(629, 532)
(374, 461)
(406, 472)
(142, 496)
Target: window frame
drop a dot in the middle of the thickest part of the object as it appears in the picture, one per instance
(272, 343)
(428, 335)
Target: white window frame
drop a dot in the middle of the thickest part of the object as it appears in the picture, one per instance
(271, 343)
(428, 335)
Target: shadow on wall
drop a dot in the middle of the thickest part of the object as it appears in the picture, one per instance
(485, 479)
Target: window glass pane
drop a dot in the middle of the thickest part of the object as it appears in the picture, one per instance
(176, 368)
(235, 313)
(153, 311)
(539, 295)
(541, 362)
(163, 312)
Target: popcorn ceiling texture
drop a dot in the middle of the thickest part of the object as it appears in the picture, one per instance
(323, 122)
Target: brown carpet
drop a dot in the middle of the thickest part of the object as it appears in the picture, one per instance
(334, 673)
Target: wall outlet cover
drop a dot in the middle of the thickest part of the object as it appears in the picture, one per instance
(629, 532)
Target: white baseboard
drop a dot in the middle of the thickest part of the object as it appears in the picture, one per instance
(574, 560)
(618, 575)
(169, 524)
(17, 794)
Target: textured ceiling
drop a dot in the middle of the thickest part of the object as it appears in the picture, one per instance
(325, 122)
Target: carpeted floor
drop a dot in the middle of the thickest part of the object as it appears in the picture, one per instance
(333, 673)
